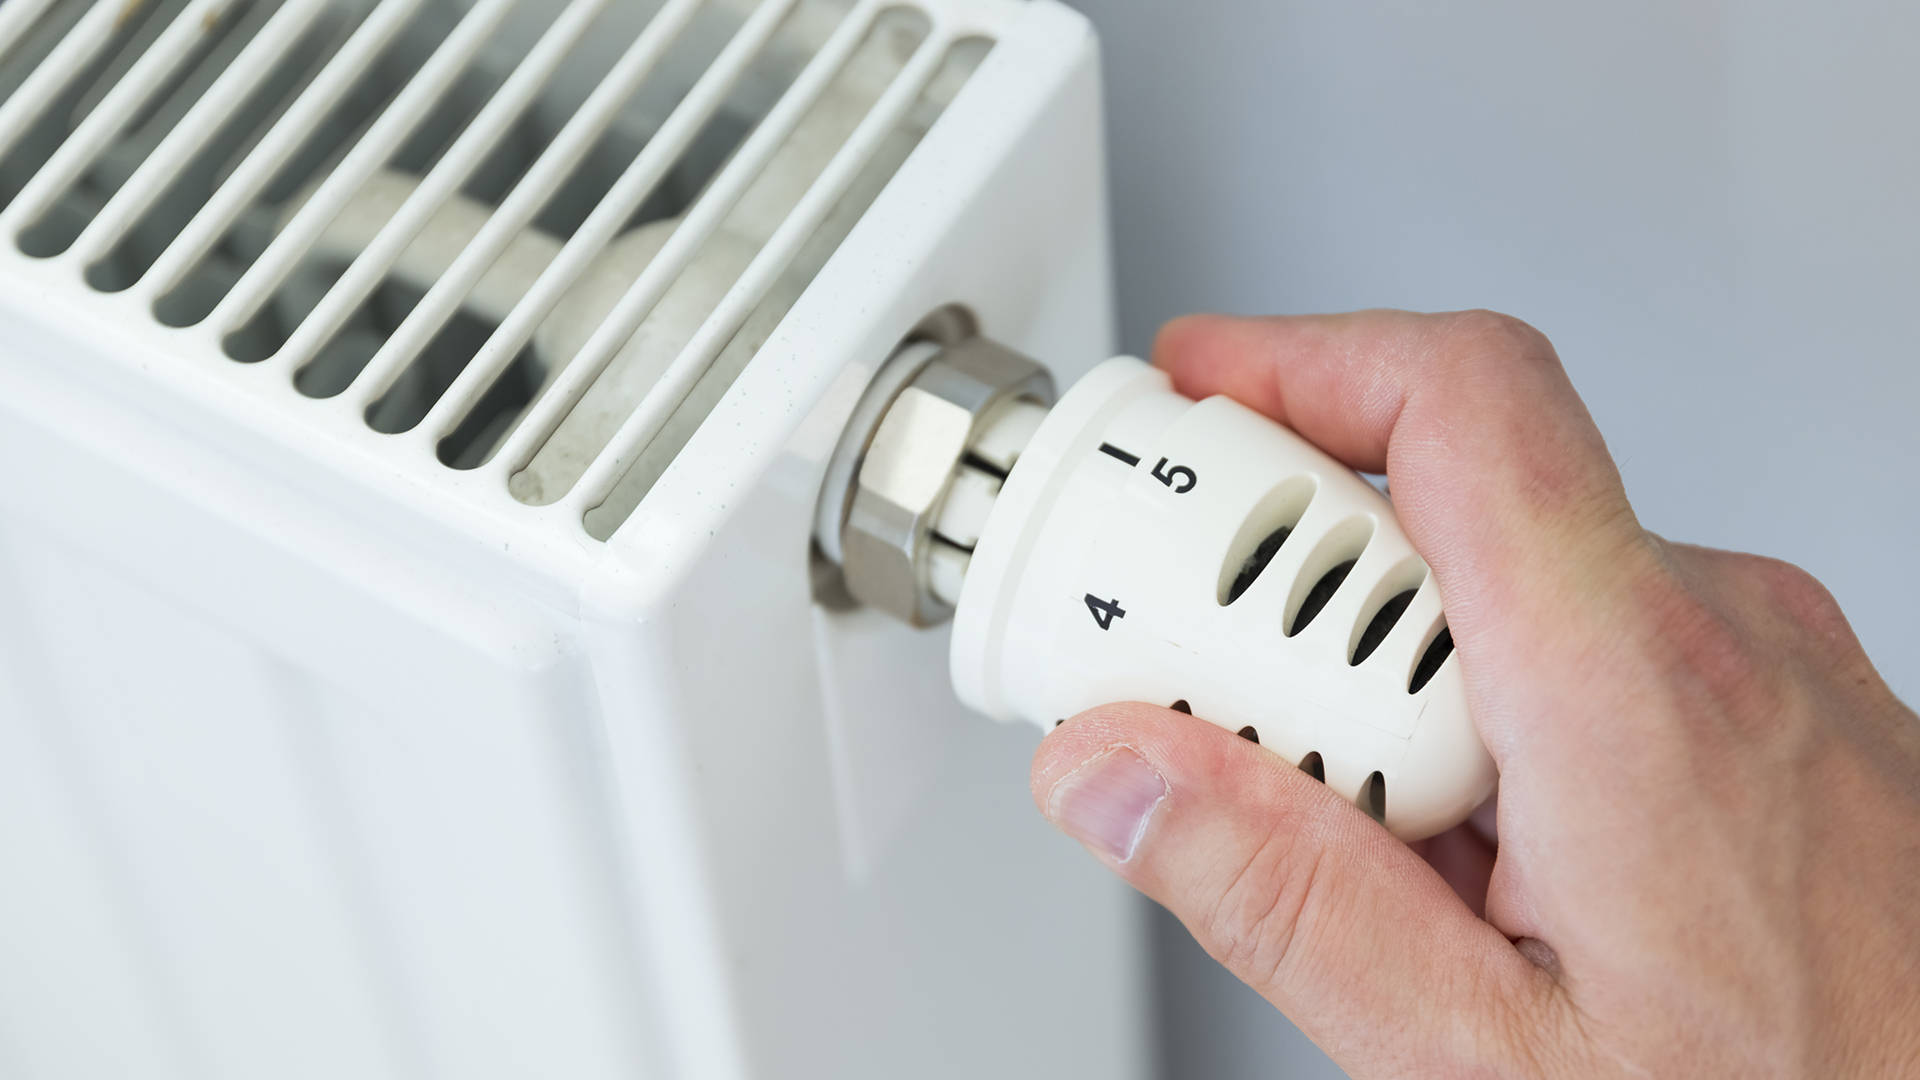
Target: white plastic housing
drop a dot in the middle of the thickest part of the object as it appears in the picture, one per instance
(1096, 580)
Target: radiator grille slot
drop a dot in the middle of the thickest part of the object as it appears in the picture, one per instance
(532, 241)
(56, 72)
(781, 289)
(345, 89)
(213, 161)
(204, 58)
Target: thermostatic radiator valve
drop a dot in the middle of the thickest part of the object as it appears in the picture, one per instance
(1131, 544)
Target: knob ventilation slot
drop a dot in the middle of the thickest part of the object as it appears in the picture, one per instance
(1314, 767)
(1436, 654)
(1373, 798)
(1322, 591)
(1381, 624)
(1249, 734)
(1326, 569)
(1251, 566)
(1388, 602)
(1263, 533)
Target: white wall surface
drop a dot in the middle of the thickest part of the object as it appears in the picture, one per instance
(1712, 208)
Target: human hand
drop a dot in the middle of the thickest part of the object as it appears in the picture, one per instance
(1708, 858)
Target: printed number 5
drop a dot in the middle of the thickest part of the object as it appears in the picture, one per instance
(1104, 611)
(1166, 476)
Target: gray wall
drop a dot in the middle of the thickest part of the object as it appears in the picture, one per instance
(1712, 208)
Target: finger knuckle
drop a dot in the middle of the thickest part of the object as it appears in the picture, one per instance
(1492, 335)
(1702, 639)
(1767, 596)
(1736, 667)
(1256, 917)
(1796, 618)
(1797, 594)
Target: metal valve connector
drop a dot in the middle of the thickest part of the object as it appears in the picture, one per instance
(918, 467)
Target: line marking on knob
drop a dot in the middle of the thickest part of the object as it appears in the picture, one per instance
(1113, 451)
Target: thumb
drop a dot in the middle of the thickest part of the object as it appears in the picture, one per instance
(1296, 892)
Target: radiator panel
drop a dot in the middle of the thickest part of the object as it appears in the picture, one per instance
(296, 824)
(344, 759)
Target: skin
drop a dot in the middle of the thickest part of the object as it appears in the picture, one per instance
(1708, 857)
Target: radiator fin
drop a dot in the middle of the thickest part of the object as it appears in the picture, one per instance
(527, 242)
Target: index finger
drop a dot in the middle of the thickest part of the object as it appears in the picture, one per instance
(1498, 472)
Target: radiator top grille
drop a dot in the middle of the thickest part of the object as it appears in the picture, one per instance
(527, 243)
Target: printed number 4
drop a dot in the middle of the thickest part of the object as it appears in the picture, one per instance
(1104, 611)
(1179, 472)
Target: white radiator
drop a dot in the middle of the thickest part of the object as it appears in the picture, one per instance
(414, 415)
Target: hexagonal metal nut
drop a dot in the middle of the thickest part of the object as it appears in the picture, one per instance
(909, 467)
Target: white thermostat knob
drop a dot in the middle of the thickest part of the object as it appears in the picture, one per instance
(1147, 547)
